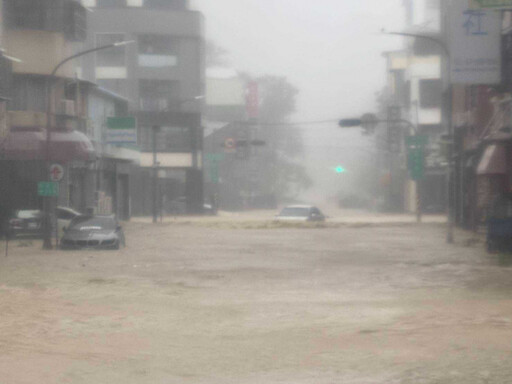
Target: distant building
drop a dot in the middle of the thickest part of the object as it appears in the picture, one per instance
(162, 76)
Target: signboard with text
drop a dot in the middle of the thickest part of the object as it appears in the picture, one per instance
(121, 131)
(47, 188)
(474, 44)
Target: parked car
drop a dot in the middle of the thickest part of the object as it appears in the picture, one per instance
(300, 213)
(26, 223)
(98, 232)
(64, 217)
(29, 222)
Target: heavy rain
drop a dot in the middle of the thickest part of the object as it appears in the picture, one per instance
(256, 191)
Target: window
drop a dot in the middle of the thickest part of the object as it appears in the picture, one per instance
(176, 4)
(430, 93)
(110, 3)
(168, 139)
(68, 17)
(158, 95)
(157, 51)
(112, 57)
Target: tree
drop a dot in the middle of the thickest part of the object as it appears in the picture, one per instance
(282, 170)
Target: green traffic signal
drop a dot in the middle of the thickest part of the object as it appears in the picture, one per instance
(339, 169)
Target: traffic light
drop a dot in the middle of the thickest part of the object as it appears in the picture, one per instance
(347, 123)
(339, 169)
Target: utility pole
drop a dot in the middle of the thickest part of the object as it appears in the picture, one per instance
(155, 130)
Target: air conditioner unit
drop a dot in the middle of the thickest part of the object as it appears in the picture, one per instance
(66, 107)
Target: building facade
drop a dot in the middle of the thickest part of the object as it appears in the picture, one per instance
(162, 76)
(38, 36)
(415, 94)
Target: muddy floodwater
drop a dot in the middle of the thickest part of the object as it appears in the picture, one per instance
(192, 302)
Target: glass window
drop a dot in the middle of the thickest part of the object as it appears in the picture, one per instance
(85, 223)
(112, 57)
(168, 139)
(430, 93)
(110, 3)
(295, 212)
(158, 95)
(157, 51)
(177, 4)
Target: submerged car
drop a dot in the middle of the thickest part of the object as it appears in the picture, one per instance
(300, 213)
(26, 222)
(98, 232)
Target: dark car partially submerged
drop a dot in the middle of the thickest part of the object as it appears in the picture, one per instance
(96, 232)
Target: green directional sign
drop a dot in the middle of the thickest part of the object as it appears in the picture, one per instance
(416, 163)
(494, 4)
(213, 160)
(416, 155)
(47, 188)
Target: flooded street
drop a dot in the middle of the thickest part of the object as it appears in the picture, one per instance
(186, 302)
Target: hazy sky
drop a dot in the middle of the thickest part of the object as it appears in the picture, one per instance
(331, 50)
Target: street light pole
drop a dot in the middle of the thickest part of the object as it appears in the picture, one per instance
(155, 129)
(448, 111)
(47, 222)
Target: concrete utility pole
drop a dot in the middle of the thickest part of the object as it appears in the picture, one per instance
(48, 201)
(447, 112)
(155, 130)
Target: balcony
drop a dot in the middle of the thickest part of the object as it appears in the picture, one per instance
(65, 16)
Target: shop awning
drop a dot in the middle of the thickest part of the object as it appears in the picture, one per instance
(65, 146)
(493, 161)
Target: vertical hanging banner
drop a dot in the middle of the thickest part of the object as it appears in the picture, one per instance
(253, 100)
(474, 41)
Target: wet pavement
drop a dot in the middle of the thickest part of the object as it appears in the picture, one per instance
(195, 300)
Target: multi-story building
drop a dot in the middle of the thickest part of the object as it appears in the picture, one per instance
(162, 75)
(424, 99)
(37, 36)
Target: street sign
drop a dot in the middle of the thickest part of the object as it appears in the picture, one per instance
(416, 163)
(56, 172)
(47, 188)
(416, 156)
(213, 160)
(417, 140)
(229, 143)
(474, 43)
(121, 130)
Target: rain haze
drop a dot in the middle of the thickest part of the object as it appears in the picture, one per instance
(255, 191)
(331, 51)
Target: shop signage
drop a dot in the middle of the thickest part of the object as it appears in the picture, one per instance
(121, 131)
(474, 44)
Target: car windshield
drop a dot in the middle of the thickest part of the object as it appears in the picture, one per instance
(31, 214)
(295, 212)
(93, 223)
